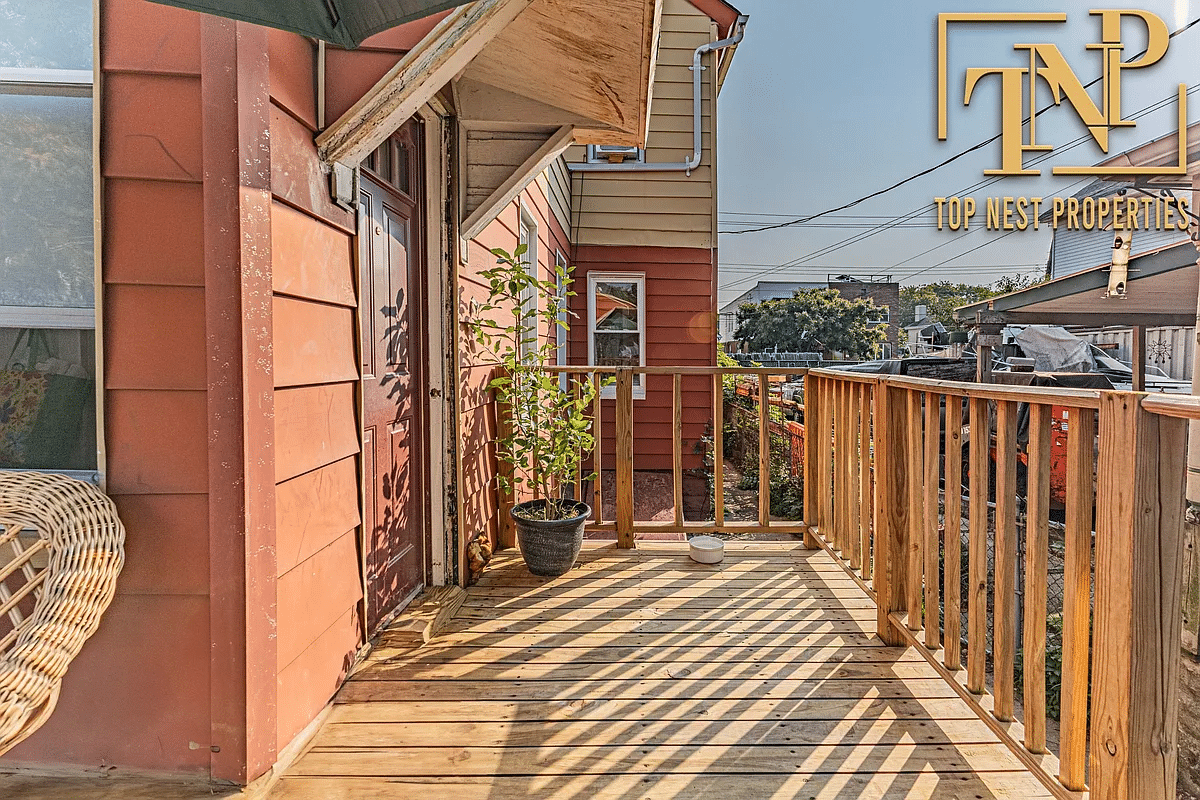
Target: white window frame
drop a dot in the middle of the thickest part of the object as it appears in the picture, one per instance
(68, 83)
(527, 234)
(639, 278)
(597, 155)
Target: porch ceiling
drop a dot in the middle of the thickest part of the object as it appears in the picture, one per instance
(519, 65)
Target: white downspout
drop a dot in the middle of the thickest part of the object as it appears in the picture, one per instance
(739, 30)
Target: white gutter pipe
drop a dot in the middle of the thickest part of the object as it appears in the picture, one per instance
(739, 30)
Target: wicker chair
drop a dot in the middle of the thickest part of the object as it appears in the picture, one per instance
(61, 549)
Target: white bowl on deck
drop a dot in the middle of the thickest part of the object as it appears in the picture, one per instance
(706, 549)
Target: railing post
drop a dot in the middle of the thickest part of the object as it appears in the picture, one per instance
(764, 450)
(891, 487)
(812, 455)
(624, 457)
(1135, 649)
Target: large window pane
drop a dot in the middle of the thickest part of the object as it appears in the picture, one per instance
(46, 217)
(46, 34)
(47, 399)
(616, 306)
(618, 350)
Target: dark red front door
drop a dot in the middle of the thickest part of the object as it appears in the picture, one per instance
(393, 358)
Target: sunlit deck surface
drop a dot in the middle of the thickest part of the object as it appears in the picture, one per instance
(641, 674)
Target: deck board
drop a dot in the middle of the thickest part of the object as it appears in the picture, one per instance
(643, 675)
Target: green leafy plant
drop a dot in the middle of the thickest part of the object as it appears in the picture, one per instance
(549, 428)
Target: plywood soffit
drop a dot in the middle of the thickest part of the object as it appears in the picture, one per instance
(569, 62)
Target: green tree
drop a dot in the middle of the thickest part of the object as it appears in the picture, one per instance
(943, 297)
(811, 321)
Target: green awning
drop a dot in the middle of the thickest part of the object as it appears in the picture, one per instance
(342, 22)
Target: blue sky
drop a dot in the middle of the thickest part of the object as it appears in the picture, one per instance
(829, 101)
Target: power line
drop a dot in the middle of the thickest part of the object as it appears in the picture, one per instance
(980, 184)
(928, 170)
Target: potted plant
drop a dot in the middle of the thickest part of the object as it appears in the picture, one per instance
(548, 427)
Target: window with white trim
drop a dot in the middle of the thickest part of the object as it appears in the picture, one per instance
(617, 324)
(528, 236)
(47, 260)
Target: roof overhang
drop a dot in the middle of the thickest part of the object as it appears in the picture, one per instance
(1162, 290)
(539, 63)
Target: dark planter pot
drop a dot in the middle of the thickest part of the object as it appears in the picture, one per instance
(550, 547)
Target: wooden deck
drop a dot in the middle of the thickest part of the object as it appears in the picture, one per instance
(641, 674)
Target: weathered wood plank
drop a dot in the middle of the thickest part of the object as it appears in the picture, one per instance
(867, 733)
(499, 655)
(928, 785)
(581, 759)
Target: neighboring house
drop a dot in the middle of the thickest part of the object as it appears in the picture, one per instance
(923, 332)
(1158, 308)
(263, 331)
(763, 290)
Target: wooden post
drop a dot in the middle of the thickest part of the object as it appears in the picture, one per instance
(718, 390)
(1077, 597)
(764, 451)
(624, 457)
(812, 458)
(1135, 650)
(983, 363)
(1138, 357)
(837, 529)
(891, 539)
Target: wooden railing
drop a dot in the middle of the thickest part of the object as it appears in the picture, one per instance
(613, 421)
(880, 449)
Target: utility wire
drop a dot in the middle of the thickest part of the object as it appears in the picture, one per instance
(980, 184)
(928, 170)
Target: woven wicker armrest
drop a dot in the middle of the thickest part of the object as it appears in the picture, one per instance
(61, 549)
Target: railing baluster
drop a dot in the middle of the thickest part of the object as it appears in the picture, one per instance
(952, 538)
(854, 475)
(624, 457)
(838, 529)
(1077, 595)
(849, 504)
(577, 483)
(864, 480)
(764, 451)
(677, 445)
(718, 392)
(915, 510)
(1037, 543)
(933, 437)
(891, 540)
(1004, 604)
(825, 478)
(812, 458)
(977, 566)
(597, 448)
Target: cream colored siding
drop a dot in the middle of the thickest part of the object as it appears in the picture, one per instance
(668, 209)
(491, 158)
(556, 182)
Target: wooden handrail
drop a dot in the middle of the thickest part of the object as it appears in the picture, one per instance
(1124, 650)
